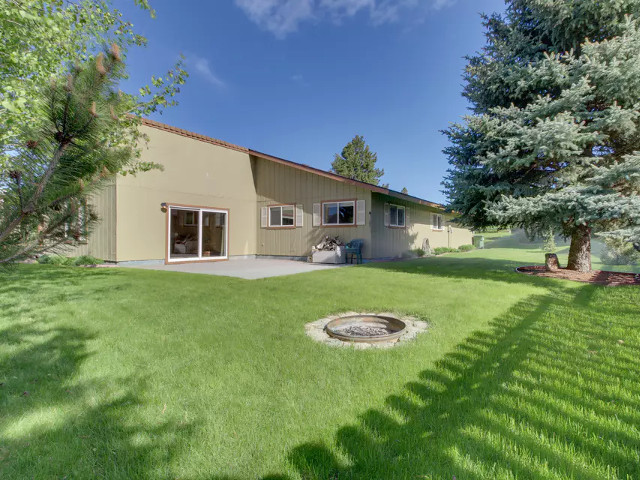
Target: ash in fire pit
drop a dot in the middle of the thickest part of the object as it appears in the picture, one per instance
(366, 328)
(362, 331)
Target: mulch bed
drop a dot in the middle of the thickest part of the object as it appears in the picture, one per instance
(596, 277)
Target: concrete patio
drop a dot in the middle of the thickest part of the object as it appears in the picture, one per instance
(249, 269)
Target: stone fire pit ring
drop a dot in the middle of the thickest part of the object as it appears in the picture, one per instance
(365, 330)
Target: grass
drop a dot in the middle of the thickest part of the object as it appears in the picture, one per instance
(122, 373)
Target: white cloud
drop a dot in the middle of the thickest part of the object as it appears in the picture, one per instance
(201, 66)
(282, 17)
(440, 4)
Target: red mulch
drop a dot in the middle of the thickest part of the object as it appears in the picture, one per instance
(597, 277)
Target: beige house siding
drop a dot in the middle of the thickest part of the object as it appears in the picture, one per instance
(195, 173)
(200, 171)
(393, 242)
(102, 240)
(282, 184)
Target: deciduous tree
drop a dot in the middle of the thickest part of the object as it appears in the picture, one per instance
(41, 38)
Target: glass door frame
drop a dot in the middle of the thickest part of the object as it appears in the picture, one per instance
(199, 210)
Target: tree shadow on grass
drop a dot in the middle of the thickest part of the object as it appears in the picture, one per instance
(55, 421)
(43, 284)
(545, 393)
(463, 267)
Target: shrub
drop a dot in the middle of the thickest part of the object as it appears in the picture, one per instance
(466, 248)
(419, 252)
(549, 242)
(618, 252)
(54, 260)
(87, 260)
(67, 261)
(441, 250)
(44, 259)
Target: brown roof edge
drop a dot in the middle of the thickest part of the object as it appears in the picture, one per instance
(317, 171)
(195, 136)
(203, 138)
(350, 181)
(411, 198)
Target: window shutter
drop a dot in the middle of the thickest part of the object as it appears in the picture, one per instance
(434, 221)
(316, 215)
(406, 217)
(361, 212)
(263, 218)
(386, 215)
(299, 215)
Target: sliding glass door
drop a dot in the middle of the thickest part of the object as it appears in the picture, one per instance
(197, 234)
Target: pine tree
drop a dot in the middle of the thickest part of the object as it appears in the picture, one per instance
(554, 141)
(404, 190)
(40, 38)
(73, 147)
(357, 162)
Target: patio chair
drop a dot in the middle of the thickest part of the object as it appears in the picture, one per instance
(354, 249)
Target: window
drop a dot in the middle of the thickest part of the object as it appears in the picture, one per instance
(190, 219)
(396, 216)
(281, 216)
(196, 233)
(438, 222)
(338, 213)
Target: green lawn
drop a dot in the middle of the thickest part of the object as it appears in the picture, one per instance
(121, 374)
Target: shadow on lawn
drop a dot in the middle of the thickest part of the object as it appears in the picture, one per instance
(532, 398)
(466, 267)
(55, 422)
(43, 283)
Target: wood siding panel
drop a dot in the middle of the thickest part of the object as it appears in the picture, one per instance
(393, 242)
(281, 184)
(102, 240)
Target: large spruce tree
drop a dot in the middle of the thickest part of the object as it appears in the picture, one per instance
(554, 138)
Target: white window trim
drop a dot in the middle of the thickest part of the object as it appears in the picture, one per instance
(396, 225)
(338, 202)
(441, 229)
(269, 207)
(199, 258)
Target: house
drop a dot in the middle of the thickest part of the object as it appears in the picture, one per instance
(215, 201)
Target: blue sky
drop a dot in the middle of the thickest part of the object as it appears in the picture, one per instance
(299, 78)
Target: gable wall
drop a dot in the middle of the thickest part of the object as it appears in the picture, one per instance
(195, 173)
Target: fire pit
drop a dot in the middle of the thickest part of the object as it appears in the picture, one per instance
(362, 330)
(366, 328)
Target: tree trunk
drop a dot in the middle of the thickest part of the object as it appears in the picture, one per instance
(580, 250)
